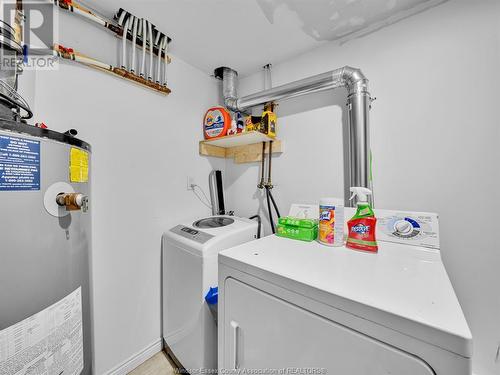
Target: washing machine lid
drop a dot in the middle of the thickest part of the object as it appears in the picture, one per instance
(405, 288)
(208, 236)
(213, 222)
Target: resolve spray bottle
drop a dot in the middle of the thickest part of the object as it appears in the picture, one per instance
(363, 224)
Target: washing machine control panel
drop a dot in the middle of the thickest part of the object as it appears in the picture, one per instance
(192, 234)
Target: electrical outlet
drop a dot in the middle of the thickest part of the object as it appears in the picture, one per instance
(190, 183)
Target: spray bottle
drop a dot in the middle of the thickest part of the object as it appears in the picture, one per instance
(363, 224)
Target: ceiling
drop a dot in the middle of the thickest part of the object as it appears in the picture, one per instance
(247, 34)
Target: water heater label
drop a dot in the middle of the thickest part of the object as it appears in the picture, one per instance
(78, 165)
(49, 342)
(19, 164)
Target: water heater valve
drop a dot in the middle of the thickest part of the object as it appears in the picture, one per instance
(73, 201)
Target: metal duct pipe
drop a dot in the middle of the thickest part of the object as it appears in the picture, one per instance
(348, 77)
(358, 106)
(229, 79)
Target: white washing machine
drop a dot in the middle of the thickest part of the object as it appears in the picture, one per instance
(189, 270)
(290, 304)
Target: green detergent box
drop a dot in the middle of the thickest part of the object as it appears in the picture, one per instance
(297, 229)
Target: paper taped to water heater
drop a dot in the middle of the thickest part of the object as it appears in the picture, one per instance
(48, 342)
(78, 165)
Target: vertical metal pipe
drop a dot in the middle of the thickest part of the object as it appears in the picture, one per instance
(229, 79)
(230, 84)
(358, 106)
(269, 163)
(268, 80)
(262, 182)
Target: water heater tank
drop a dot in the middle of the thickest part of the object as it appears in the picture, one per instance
(45, 243)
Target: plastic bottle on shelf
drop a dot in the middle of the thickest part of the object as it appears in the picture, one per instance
(331, 222)
(362, 226)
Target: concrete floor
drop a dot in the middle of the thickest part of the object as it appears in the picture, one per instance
(156, 365)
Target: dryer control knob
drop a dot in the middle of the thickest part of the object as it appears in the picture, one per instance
(403, 227)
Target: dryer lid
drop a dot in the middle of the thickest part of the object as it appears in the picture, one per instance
(402, 287)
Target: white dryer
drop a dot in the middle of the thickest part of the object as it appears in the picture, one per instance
(311, 308)
(189, 270)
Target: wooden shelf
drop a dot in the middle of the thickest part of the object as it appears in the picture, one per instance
(243, 148)
(240, 139)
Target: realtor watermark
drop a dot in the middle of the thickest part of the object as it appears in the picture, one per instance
(35, 23)
(256, 371)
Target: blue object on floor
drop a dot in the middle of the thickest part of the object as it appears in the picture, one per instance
(212, 296)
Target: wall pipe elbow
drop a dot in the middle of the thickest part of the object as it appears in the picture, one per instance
(354, 80)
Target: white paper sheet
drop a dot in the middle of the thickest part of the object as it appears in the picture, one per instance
(304, 211)
(47, 343)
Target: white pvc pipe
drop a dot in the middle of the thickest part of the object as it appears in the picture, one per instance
(78, 9)
(122, 18)
(124, 44)
(90, 16)
(134, 47)
(87, 61)
(158, 67)
(144, 39)
(164, 81)
(151, 46)
(158, 39)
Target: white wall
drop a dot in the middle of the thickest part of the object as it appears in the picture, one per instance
(435, 139)
(144, 146)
